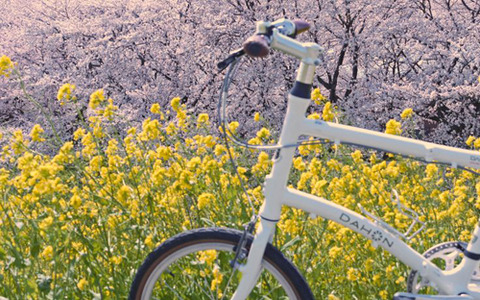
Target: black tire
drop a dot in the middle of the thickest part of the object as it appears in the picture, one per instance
(192, 246)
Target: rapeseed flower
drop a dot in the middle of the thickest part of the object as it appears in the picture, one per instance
(217, 278)
(204, 200)
(407, 113)
(327, 113)
(476, 144)
(155, 108)
(75, 201)
(232, 126)
(110, 109)
(383, 294)
(65, 93)
(99, 190)
(36, 133)
(470, 140)
(353, 274)
(82, 284)
(46, 223)
(202, 120)
(175, 103)
(208, 257)
(96, 98)
(317, 96)
(393, 127)
(6, 66)
(47, 253)
(263, 133)
(357, 156)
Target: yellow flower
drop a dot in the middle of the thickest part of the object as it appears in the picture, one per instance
(334, 252)
(110, 109)
(233, 126)
(6, 66)
(298, 163)
(333, 297)
(353, 274)
(37, 130)
(263, 133)
(393, 127)
(75, 201)
(65, 93)
(116, 260)
(47, 253)
(155, 108)
(401, 279)
(327, 113)
(407, 113)
(431, 170)
(208, 256)
(123, 193)
(218, 277)
(149, 241)
(46, 223)
(256, 117)
(383, 294)
(82, 284)
(151, 129)
(78, 134)
(18, 143)
(96, 98)
(369, 265)
(204, 200)
(476, 144)
(317, 96)
(202, 120)
(357, 156)
(175, 103)
(470, 140)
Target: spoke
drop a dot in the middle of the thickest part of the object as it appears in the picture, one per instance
(228, 282)
(173, 290)
(191, 281)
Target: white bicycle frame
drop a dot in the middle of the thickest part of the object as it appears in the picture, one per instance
(452, 282)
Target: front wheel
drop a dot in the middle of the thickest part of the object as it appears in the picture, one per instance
(196, 265)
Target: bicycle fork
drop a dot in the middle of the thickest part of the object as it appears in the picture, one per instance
(253, 268)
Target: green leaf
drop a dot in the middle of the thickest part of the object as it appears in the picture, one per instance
(35, 247)
(291, 243)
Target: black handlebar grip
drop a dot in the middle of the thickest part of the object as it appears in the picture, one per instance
(256, 46)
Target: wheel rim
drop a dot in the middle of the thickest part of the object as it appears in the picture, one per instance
(191, 255)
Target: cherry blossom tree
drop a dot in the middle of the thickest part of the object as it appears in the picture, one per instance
(380, 57)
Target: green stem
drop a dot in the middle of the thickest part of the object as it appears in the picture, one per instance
(58, 140)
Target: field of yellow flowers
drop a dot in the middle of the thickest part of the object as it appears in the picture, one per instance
(77, 224)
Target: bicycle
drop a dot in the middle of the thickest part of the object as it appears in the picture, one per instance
(194, 252)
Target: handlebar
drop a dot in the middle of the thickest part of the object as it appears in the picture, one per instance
(279, 35)
(258, 45)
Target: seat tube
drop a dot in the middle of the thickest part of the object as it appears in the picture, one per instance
(471, 257)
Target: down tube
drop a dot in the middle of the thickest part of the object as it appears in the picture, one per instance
(363, 226)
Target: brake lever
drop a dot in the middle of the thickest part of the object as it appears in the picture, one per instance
(231, 58)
